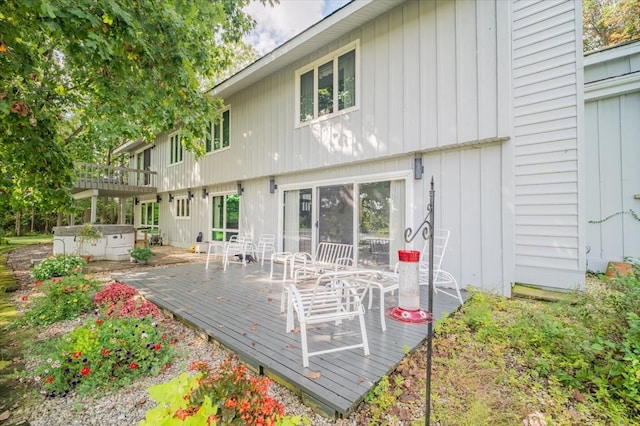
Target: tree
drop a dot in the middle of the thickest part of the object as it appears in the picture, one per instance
(609, 22)
(79, 77)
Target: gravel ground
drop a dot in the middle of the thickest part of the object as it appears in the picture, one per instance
(128, 406)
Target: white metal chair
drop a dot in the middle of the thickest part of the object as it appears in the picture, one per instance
(336, 296)
(328, 257)
(266, 244)
(240, 246)
(443, 281)
(385, 282)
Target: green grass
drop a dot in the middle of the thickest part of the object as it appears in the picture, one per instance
(11, 349)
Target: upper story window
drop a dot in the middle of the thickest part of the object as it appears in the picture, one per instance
(175, 149)
(328, 86)
(183, 207)
(217, 134)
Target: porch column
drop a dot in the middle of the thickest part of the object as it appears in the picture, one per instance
(94, 205)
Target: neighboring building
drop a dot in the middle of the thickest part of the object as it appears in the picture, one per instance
(612, 112)
(487, 95)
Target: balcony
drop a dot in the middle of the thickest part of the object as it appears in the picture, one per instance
(110, 181)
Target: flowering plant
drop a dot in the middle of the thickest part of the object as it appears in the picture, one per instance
(101, 353)
(58, 266)
(121, 300)
(64, 298)
(227, 395)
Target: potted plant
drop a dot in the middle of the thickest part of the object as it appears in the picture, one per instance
(87, 233)
(141, 254)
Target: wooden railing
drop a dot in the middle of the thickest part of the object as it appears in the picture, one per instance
(104, 177)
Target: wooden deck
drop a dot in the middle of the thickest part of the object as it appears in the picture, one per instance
(240, 309)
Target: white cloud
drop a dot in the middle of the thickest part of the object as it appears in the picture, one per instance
(277, 24)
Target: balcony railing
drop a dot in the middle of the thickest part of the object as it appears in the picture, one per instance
(97, 176)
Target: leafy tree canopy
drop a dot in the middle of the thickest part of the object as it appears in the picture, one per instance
(77, 76)
(610, 22)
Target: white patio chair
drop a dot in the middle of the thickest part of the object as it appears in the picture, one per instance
(239, 246)
(328, 257)
(385, 282)
(443, 281)
(266, 244)
(336, 296)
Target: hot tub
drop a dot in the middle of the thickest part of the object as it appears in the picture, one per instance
(114, 243)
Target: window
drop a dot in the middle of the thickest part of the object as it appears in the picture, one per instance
(175, 148)
(149, 214)
(225, 217)
(328, 85)
(183, 206)
(217, 134)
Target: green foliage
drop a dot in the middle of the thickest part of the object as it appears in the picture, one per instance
(142, 253)
(105, 354)
(381, 399)
(80, 77)
(609, 22)
(64, 298)
(227, 395)
(584, 353)
(58, 266)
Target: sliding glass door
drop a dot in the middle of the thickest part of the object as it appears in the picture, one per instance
(369, 215)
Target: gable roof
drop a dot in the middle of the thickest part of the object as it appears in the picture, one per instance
(331, 28)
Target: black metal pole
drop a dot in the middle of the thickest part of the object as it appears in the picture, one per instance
(427, 416)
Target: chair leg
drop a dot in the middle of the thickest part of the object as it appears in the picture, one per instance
(383, 322)
(303, 343)
(206, 266)
(363, 330)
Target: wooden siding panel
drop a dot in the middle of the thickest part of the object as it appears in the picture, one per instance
(396, 82)
(491, 202)
(471, 224)
(613, 150)
(411, 77)
(467, 72)
(382, 88)
(447, 71)
(487, 69)
(428, 75)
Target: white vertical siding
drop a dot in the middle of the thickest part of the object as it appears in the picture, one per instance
(546, 88)
(613, 126)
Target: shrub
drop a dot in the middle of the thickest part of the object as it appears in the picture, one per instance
(64, 298)
(58, 266)
(228, 395)
(119, 300)
(102, 354)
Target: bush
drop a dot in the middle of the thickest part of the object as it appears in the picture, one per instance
(64, 299)
(58, 266)
(119, 300)
(102, 354)
(226, 396)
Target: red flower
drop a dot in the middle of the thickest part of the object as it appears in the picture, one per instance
(49, 379)
(77, 355)
(85, 371)
(105, 351)
(98, 321)
(133, 366)
(158, 346)
(25, 298)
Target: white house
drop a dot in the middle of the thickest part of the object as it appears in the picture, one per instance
(612, 111)
(324, 136)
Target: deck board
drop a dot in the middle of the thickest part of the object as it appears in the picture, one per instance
(240, 309)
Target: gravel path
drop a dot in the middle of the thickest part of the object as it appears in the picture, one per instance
(128, 406)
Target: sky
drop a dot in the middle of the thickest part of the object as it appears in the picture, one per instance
(275, 25)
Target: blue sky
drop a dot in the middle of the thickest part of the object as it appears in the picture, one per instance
(277, 24)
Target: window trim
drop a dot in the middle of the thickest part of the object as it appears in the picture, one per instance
(333, 56)
(212, 127)
(171, 135)
(178, 201)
